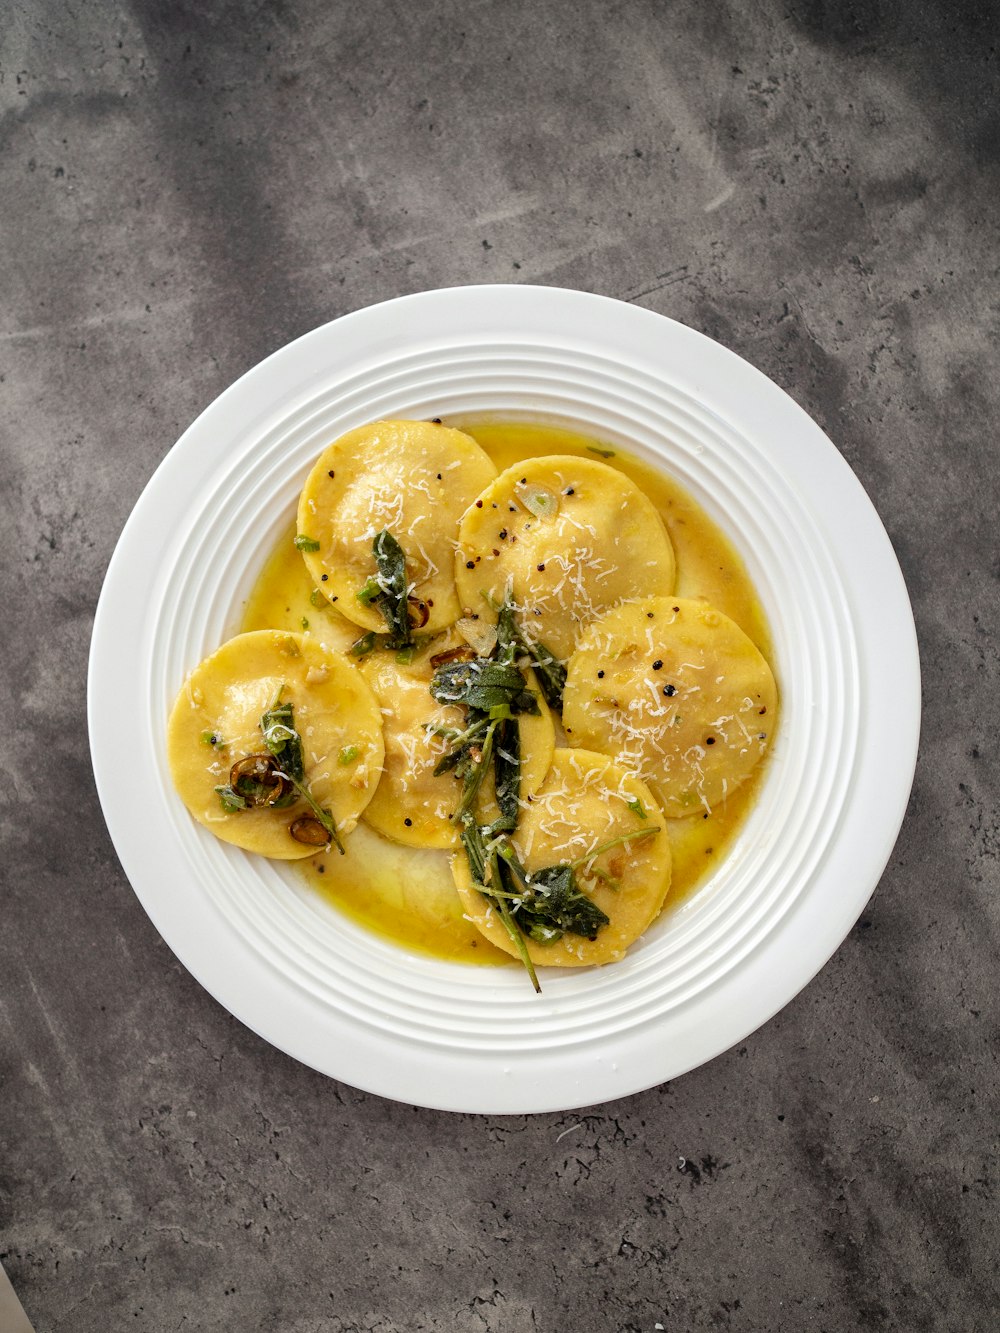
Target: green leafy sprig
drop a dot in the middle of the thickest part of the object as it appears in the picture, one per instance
(277, 726)
(544, 905)
(550, 671)
(388, 589)
(284, 744)
(494, 694)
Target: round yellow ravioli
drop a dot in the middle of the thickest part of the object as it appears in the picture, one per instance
(412, 478)
(215, 724)
(676, 692)
(570, 537)
(411, 805)
(585, 802)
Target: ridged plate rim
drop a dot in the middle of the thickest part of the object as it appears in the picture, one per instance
(475, 1039)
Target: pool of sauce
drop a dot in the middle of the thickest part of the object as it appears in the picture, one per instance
(406, 894)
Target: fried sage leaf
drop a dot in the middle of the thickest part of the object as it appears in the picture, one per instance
(550, 671)
(546, 905)
(282, 740)
(507, 769)
(388, 589)
(558, 906)
(484, 684)
(275, 779)
(550, 903)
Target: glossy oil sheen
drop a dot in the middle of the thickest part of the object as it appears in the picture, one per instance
(408, 895)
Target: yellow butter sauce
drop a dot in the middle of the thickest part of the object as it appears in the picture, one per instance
(408, 895)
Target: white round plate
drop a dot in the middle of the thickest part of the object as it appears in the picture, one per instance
(468, 1038)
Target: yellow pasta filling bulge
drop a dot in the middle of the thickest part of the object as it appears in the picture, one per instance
(215, 728)
(413, 479)
(679, 693)
(570, 538)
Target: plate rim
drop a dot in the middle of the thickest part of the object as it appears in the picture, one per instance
(502, 1099)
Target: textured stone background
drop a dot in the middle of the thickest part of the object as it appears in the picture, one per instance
(186, 186)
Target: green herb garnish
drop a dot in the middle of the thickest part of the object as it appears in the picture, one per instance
(550, 904)
(276, 778)
(347, 755)
(371, 641)
(550, 671)
(494, 693)
(256, 780)
(636, 807)
(277, 726)
(363, 646)
(231, 801)
(483, 684)
(304, 543)
(507, 769)
(284, 742)
(604, 453)
(614, 842)
(539, 500)
(544, 905)
(484, 864)
(388, 589)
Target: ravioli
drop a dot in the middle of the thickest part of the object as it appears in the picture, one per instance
(411, 805)
(570, 537)
(215, 723)
(586, 801)
(412, 478)
(677, 693)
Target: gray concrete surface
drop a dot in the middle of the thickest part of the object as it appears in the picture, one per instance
(186, 186)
